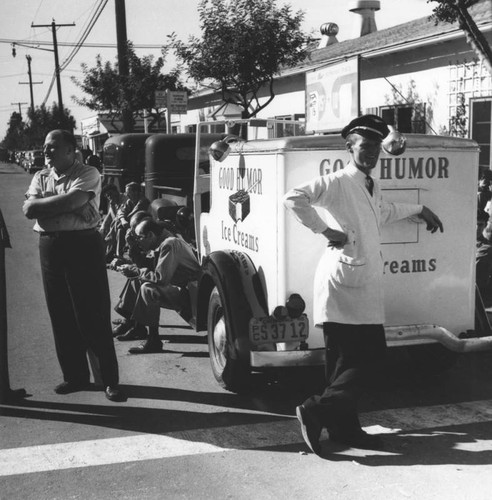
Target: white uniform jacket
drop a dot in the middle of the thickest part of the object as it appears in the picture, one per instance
(348, 284)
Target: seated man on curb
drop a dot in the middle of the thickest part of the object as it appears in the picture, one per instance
(150, 288)
(135, 202)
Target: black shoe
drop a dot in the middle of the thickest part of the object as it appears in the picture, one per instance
(134, 333)
(69, 387)
(310, 427)
(122, 328)
(114, 394)
(147, 347)
(359, 439)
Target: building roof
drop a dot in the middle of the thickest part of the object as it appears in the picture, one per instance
(420, 31)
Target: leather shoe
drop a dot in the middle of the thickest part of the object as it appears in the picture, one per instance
(134, 333)
(147, 347)
(358, 439)
(310, 428)
(69, 387)
(114, 394)
(121, 328)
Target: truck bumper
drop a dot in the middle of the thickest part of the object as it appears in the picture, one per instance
(408, 333)
(271, 359)
(395, 335)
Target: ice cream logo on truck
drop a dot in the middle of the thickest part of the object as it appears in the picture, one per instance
(243, 182)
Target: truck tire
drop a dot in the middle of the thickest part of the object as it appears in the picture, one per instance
(230, 371)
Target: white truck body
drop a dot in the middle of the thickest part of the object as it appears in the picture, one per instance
(429, 279)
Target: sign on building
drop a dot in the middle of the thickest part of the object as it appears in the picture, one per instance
(332, 96)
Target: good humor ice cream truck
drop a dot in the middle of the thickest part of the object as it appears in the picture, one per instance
(255, 295)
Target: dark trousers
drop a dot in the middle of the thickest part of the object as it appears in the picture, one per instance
(355, 357)
(77, 294)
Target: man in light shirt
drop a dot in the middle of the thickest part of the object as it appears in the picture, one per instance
(64, 200)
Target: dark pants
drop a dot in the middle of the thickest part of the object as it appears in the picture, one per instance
(355, 356)
(77, 294)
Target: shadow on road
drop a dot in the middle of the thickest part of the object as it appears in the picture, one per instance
(271, 404)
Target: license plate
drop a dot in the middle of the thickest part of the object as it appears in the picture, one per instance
(268, 330)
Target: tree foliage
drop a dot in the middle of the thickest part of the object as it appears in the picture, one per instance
(22, 136)
(244, 44)
(109, 92)
(450, 11)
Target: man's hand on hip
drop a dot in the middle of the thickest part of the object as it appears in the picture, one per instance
(336, 239)
(431, 219)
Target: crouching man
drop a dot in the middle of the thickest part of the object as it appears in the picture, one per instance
(171, 266)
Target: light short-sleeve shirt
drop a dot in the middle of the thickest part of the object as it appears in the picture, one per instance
(78, 177)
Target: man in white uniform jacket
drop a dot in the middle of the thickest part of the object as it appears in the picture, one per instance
(348, 288)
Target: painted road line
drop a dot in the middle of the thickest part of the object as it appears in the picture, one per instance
(224, 439)
(98, 452)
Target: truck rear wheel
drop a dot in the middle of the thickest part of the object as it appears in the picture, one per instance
(230, 371)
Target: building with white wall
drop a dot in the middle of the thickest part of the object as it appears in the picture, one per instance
(421, 77)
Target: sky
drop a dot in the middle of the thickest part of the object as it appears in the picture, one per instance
(148, 23)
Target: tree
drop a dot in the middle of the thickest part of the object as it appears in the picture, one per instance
(244, 44)
(450, 11)
(30, 135)
(43, 120)
(15, 138)
(109, 92)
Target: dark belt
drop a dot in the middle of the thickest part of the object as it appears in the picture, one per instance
(67, 233)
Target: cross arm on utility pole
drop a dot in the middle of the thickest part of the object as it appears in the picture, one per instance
(19, 104)
(53, 27)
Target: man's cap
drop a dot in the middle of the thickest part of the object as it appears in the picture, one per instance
(370, 126)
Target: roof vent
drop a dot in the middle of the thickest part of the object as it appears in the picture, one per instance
(329, 33)
(366, 10)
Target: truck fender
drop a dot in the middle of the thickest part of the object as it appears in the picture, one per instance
(234, 274)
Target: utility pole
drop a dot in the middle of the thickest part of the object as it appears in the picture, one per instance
(53, 27)
(30, 83)
(122, 44)
(20, 104)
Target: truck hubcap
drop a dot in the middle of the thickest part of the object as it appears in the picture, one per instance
(220, 341)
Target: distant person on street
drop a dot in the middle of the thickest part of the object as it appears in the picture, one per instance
(484, 195)
(64, 200)
(94, 161)
(108, 228)
(348, 288)
(171, 266)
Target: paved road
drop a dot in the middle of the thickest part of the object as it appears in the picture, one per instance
(181, 436)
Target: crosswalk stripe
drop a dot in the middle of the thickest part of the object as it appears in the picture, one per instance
(199, 441)
(97, 452)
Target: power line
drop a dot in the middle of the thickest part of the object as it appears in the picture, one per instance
(57, 65)
(92, 22)
(95, 17)
(85, 45)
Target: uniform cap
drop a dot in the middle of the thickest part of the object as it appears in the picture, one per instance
(370, 126)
